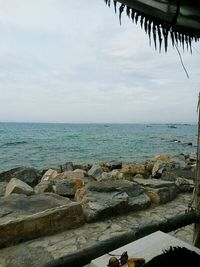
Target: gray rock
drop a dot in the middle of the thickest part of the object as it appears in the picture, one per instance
(133, 169)
(33, 216)
(43, 187)
(18, 187)
(105, 176)
(70, 175)
(159, 191)
(189, 172)
(104, 205)
(184, 185)
(101, 200)
(113, 165)
(49, 174)
(154, 183)
(113, 175)
(176, 166)
(68, 166)
(7, 175)
(169, 176)
(132, 189)
(30, 176)
(140, 202)
(19, 204)
(161, 195)
(64, 187)
(96, 172)
(179, 161)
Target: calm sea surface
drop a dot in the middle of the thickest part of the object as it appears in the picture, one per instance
(44, 145)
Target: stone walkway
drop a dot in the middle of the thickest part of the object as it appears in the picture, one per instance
(70, 241)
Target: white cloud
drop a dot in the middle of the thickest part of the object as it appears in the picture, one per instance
(71, 61)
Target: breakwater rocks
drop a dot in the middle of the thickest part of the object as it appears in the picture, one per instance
(36, 203)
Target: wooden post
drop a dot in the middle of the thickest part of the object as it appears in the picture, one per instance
(196, 236)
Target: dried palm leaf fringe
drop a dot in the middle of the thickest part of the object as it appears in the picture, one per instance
(159, 31)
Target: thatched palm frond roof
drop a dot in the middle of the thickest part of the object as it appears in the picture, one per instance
(178, 20)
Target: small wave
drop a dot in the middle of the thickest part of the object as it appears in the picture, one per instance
(14, 143)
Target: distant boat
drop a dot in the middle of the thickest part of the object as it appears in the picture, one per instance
(172, 126)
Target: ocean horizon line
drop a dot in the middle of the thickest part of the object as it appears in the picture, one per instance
(101, 123)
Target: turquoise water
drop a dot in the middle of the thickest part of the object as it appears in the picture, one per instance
(44, 145)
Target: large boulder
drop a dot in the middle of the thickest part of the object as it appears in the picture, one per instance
(134, 169)
(184, 185)
(112, 175)
(67, 187)
(188, 172)
(49, 174)
(176, 166)
(16, 205)
(161, 195)
(96, 172)
(31, 176)
(132, 189)
(63, 187)
(100, 206)
(178, 161)
(169, 176)
(71, 175)
(18, 187)
(153, 183)
(101, 200)
(26, 217)
(64, 184)
(159, 191)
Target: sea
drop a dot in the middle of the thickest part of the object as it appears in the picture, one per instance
(45, 145)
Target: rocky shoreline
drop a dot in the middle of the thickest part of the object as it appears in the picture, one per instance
(37, 203)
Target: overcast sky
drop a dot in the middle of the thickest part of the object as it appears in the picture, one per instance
(71, 61)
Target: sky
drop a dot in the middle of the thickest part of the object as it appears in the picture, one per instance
(72, 62)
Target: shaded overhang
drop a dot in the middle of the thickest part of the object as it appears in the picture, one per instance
(178, 20)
